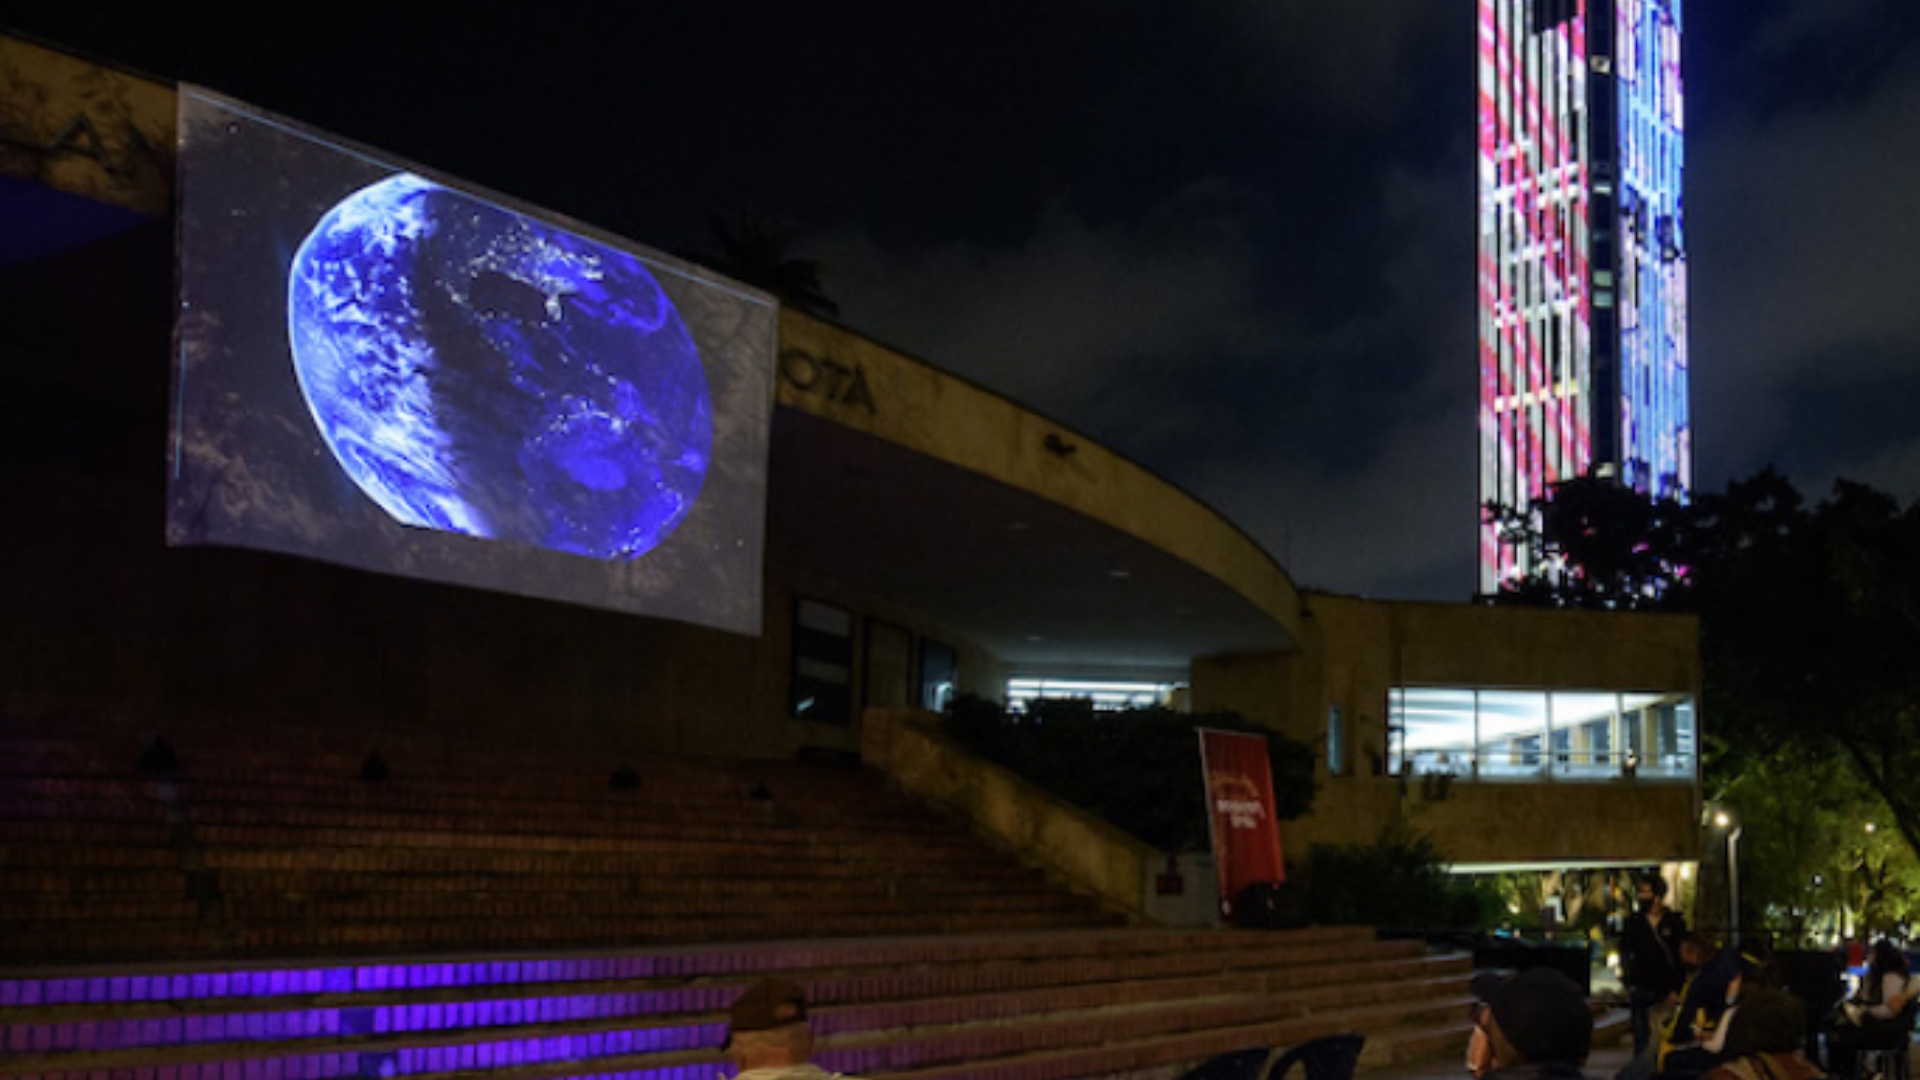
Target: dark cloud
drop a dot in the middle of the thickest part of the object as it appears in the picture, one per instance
(1348, 63)
(1342, 443)
(1805, 221)
(1231, 238)
(1050, 319)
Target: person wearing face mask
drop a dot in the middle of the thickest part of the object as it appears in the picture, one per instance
(1650, 959)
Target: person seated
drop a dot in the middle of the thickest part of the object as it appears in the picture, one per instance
(1706, 993)
(1537, 1025)
(1695, 1041)
(1696, 949)
(1479, 1046)
(1764, 1038)
(768, 1034)
(1758, 965)
(1873, 1019)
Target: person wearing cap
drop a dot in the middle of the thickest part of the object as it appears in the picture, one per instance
(1764, 1039)
(1538, 1025)
(1480, 1048)
(768, 1035)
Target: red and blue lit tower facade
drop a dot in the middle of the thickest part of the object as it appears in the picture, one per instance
(1583, 263)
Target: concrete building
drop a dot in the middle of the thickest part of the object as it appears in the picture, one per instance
(924, 535)
(1583, 257)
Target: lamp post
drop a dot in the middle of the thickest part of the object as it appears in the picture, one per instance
(1726, 821)
(1864, 877)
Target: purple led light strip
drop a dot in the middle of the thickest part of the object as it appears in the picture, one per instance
(200, 986)
(134, 1033)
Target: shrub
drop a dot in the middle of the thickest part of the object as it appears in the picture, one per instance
(1398, 881)
(1137, 768)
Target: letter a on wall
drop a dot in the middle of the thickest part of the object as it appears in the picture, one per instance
(1240, 817)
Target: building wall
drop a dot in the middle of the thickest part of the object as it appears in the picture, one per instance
(110, 622)
(1655, 450)
(1538, 410)
(837, 374)
(1355, 650)
(85, 129)
(128, 625)
(1582, 267)
(1618, 823)
(980, 672)
(184, 639)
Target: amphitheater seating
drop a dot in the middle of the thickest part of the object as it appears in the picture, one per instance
(519, 914)
(250, 852)
(1031, 1006)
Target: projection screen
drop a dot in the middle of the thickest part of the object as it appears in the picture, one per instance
(384, 368)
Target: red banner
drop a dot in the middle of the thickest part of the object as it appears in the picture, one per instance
(1246, 835)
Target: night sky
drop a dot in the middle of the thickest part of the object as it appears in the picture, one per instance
(1233, 239)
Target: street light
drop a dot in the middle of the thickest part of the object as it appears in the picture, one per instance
(1725, 821)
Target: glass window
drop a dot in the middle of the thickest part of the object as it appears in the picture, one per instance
(1512, 731)
(1435, 730)
(1396, 730)
(822, 685)
(1536, 734)
(939, 674)
(1336, 741)
(1675, 738)
(1104, 695)
(1587, 720)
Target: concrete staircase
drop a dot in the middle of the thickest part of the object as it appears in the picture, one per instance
(257, 852)
(263, 913)
(1031, 1006)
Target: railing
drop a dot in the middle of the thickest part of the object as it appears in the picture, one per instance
(1536, 765)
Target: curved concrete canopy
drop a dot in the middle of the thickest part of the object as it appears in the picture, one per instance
(1044, 587)
(1090, 562)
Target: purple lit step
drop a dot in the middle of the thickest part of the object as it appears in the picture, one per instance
(333, 980)
(372, 1020)
(451, 1056)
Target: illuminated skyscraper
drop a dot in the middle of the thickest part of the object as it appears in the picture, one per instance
(1583, 263)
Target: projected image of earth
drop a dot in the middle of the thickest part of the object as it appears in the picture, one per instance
(387, 369)
(478, 371)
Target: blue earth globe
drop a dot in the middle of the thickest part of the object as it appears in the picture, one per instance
(478, 371)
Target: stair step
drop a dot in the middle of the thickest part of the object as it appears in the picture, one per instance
(522, 921)
(877, 1000)
(895, 1038)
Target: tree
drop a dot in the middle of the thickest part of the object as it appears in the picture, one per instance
(1810, 617)
(1814, 862)
(1137, 768)
(1809, 635)
(1596, 543)
(758, 251)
